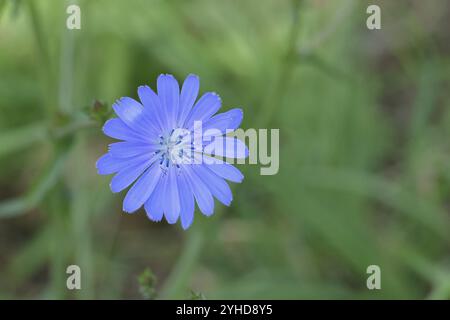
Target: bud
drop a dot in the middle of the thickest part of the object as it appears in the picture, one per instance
(147, 283)
(99, 111)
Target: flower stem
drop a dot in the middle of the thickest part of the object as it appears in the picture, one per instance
(184, 267)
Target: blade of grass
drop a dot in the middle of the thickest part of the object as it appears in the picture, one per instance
(14, 207)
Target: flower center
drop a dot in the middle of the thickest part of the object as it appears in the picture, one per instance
(175, 148)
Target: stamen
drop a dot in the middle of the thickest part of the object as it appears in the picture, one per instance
(174, 148)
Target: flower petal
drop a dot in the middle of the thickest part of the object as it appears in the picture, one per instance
(130, 149)
(223, 122)
(172, 199)
(154, 206)
(117, 129)
(128, 175)
(189, 93)
(218, 187)
(201, 192)
(228, 147)
(187, 203)
(226, 171)
(128, 110)
(169, 95)
(142, 189)
(108, 165)
(152, 105)
(132, 114)
(205, 107)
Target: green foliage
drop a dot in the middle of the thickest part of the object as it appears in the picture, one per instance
(147, 282)
(197, 296)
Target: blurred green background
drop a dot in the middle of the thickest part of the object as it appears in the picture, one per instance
(364, 177)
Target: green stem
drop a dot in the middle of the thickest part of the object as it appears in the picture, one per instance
(178, 278)
(60, 251)
(66, 72)
(286, 70)
(73, 127)
(46, 71)
(80, 221)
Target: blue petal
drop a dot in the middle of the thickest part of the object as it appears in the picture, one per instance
(169, 95)
(228, 147)
(152, 105)
(117, 129)
(201, 192)
(226, 171)
(108, 165)
(205, 107)
(132, 114)
(142, 189)
(188, 95)
(128, 110)
(128, 175)
(187, 203)
(154, 206)
(218, 187)
(229, 120)
(171, 197)
(131, 149)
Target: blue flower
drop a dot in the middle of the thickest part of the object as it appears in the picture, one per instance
(169, 163)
